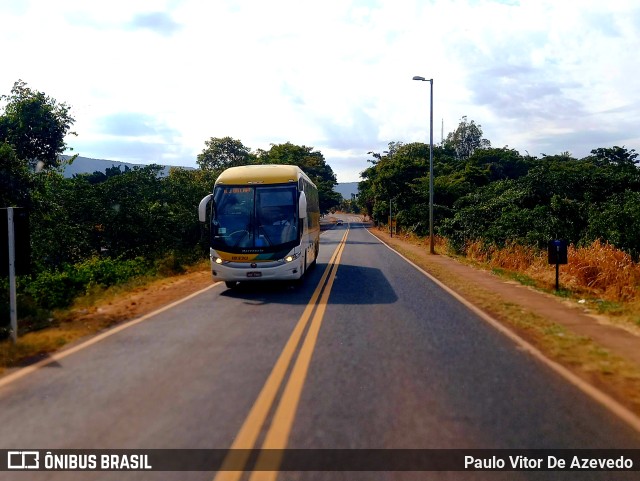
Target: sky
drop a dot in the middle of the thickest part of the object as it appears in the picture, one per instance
(150, 82)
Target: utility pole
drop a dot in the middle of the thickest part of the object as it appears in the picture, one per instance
(13, 308)
(431, 238)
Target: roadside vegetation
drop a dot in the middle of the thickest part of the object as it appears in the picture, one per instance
(599, 276)
(499, 208)
(95, 231)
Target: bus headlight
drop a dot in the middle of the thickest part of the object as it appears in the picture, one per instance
(217, 260)
(292, 257)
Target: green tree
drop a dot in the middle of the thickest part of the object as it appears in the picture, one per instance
(15, 178)
(400, 175)
(182, 191)
(504, 163)
(222, 153)
(66, 223)
(618, 221)
(366, 193)
(35, 125)
(614, 156)
(312, 162)
(134, 213)
(466, 139)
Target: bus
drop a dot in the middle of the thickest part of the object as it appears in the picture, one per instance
(265, 224)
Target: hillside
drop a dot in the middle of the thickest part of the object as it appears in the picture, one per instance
(86, 165)
(346, 189)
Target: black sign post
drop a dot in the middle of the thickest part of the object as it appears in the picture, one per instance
(557, 250)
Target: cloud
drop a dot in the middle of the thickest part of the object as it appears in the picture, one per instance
(524, 92)
(577, 142)
(335, 75)
(133, 137)
(359, 132)
(135, 124)
(158, 22)
(133, 150)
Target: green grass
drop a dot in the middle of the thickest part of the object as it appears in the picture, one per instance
(523, 279)
(609, 307)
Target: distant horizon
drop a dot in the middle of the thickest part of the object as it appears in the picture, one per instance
(73, 169)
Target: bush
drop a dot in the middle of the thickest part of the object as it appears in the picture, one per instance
(57, 289)
(53, 289)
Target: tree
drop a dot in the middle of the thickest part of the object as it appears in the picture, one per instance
(222, 153)
(504, 163)
(617, 221)
(466, 139)
(15, 178)
(66, 222)
(312, 163)
(135, 210)
(400, 175)
(616, 156)
(35, 125)
(182, 190)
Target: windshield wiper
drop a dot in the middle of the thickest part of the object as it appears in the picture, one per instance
(264, 233)
(244, 232)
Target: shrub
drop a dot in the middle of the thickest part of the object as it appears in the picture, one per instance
(57, 289)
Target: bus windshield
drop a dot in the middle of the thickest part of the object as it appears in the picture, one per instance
(256, 218)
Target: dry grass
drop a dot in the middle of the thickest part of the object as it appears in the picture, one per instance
(605, 270)
(441, 244)
(598, 270)
(604, 279)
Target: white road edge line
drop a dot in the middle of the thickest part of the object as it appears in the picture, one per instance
(57, 356)
(597, 395)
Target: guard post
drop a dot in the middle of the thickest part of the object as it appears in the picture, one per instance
(557, 251)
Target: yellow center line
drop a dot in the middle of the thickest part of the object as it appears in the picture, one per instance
(280, 429)
(250, 430)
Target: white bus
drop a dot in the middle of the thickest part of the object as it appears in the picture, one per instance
(265, 223)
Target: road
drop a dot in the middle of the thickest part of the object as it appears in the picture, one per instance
(381, 358)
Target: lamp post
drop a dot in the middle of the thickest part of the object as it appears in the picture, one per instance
(431, 240)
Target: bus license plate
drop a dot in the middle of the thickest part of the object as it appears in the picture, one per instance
(254, 274)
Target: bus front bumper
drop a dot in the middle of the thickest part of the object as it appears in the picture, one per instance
(266, 271)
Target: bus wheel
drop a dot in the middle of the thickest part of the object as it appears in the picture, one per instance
(230, 284)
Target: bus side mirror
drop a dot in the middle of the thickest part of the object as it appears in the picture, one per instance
(302, 206)
(202, 208)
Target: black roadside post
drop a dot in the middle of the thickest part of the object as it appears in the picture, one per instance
(557, 251)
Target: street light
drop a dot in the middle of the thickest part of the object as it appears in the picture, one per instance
(431, 241)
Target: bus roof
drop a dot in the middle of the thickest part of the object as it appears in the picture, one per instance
(261, 174)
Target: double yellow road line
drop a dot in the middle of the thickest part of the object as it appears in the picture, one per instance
(280, 427)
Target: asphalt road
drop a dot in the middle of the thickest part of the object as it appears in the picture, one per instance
(381, 358)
